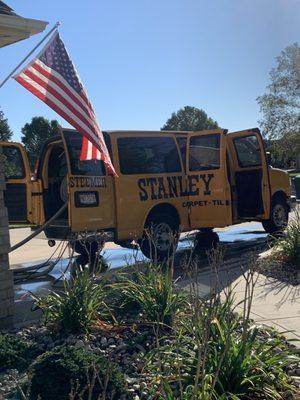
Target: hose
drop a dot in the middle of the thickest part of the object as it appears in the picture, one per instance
(39, 230)
(33, 272)
(24, 274)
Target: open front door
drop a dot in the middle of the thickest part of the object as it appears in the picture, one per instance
(17, 196)
(88, 188)
(249, 174)
(209, 191)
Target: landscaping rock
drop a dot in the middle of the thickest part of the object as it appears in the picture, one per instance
(103, 342)
(79, 344)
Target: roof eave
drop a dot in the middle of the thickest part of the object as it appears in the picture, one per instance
(14, 28)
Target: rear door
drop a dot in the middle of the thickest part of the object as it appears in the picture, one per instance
(90, 190)
(209, 195)
(17, 196)
(249, 172)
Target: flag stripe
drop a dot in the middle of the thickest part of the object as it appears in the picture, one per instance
(59, 94)
(41, 93)
(33, 89)
(89, 150)
(83, 154)
(94, 152)
(52, 77)
(87, 154)
(60, 108)
(82, 97)
(56, 78)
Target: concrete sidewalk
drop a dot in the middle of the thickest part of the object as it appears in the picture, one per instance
(275, 303)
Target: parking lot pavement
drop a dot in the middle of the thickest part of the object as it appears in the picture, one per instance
(35, 251)
(38, 250)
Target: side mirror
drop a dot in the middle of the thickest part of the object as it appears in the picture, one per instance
(268, 154)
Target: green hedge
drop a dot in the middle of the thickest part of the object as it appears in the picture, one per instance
(15, 353)
(55, 373)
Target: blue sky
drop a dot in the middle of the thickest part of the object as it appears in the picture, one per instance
(140, 60)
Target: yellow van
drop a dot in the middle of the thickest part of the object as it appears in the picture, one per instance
(168, 182)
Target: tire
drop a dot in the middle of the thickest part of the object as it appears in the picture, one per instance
(88, 251)
(279, 216)
(206, 240)
(160, 238)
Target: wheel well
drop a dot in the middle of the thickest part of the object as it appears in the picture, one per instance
(279, 195)
(168, 208)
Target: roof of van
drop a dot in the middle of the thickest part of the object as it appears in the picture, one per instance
(140, 131)
(135, 131)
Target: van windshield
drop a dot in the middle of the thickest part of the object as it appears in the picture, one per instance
(86, 168)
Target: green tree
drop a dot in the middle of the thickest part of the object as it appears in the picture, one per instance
(5, 131)
(281, 104)
(284, 150)
(189, 119)
(34, 135)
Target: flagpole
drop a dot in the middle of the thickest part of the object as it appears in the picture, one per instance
(29, 54)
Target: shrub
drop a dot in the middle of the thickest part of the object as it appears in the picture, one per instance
(218, 355)
(287, 248)
(14, 353)
(76, 309)
(63, 371)
(153, 295)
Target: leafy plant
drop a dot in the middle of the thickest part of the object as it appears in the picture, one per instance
(153, 295)
(65, 373)
(78, 308)
(15, 353)
(217, 354)
(287, 248)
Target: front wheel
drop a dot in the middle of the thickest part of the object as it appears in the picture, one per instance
(279, 217)
(160, 238)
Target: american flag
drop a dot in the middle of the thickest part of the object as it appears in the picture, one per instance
(53, 78)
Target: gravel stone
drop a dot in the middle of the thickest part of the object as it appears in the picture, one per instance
(140, 348)
(79, 344)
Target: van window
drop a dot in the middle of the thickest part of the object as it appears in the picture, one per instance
(86, 168)
(248, 151)
(13, 163)
(148, 155)
(204, 152)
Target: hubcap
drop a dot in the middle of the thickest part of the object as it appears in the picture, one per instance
(163, 236)
(279, 216)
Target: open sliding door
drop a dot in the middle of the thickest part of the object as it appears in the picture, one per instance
(249, 170)
(209, 190)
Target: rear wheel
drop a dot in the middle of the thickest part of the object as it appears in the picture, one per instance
(206, 240)
(160, 238)
(279, 216)
(88, 250)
